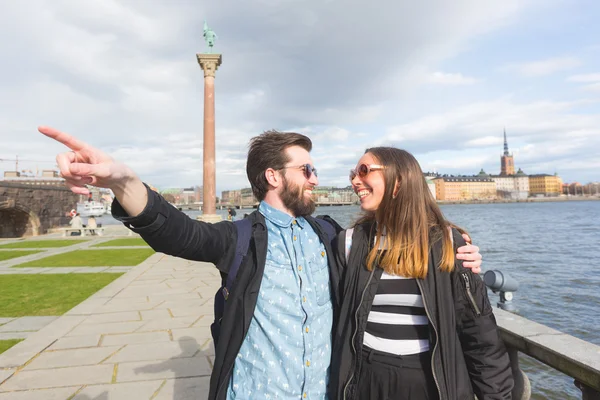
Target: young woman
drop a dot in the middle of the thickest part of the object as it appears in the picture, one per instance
(413, 323)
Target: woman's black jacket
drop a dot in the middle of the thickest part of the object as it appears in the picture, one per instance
(468, 356)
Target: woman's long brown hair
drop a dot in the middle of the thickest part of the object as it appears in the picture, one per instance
(407, 221)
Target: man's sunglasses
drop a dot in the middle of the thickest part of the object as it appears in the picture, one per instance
(364, 169)
(307, 169)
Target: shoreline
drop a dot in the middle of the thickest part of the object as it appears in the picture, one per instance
(528, 200)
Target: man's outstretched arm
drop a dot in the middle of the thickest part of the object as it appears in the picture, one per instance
(86, 165)
(164, 227)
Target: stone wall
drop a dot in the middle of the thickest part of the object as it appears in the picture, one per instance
(31, 210)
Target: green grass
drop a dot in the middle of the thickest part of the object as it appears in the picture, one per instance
(38, 295)
(123, 242)
(7, 255)
(7, 344)
(40, 244)
(92, 258)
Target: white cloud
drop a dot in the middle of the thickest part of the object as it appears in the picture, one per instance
(592, 81)
(443, 78)
(584, 78)
(543, 67)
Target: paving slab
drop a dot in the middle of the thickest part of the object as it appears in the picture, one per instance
(26, 324)
(125, 316)
(39, 394)
(59, 377)
(75, 342)
(184, 389)
(6, 373)
(169, 369)
(121, 391)
(15, 335)
(71, 358)
(151, 352)
(37, 342)
(134, 338)
(168, 323)
(107, 328)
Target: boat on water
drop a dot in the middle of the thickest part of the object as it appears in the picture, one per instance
(91, 209)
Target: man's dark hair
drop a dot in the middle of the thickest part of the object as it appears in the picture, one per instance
(268, 151)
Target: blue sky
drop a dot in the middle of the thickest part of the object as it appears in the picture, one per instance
(440, 79)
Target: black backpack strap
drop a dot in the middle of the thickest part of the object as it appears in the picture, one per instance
(329, 226)
(244, 232)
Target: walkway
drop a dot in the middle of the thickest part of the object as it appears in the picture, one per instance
(144, 336)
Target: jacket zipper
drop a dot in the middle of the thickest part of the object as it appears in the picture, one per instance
(469, 294)
(437, 385)
(362, 297)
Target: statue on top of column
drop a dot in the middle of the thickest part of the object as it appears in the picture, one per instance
(209, 37)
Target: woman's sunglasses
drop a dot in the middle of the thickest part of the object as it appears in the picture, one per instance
(364, 169)
(307, 169)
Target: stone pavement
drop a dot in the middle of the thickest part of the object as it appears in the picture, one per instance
(22, 327)
(144, 336)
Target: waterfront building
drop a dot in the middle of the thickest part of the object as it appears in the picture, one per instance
(233, 197)
(47, 178)
(457, 188)
(330, 194)
(431, 185)
(515, 187)
(247, 197)
(545, 185)
(188, 196)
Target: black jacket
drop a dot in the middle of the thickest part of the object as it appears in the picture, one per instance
(468, 356)
(172, 232)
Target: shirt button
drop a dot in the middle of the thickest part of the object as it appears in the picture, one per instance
(304, 299)
(299, 267)
(295, 238)
(306, 329)
(304, 395)
(322, 254)
(294, 222)
(307, 363)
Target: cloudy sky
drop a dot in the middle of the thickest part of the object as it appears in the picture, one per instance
(439, 78)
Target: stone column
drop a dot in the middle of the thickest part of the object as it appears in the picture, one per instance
(209, 64)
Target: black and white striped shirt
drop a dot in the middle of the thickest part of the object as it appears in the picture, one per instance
(397, 322)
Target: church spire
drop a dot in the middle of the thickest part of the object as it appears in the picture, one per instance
(505, 144)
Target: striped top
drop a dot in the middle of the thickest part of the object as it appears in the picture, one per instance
(397, 321)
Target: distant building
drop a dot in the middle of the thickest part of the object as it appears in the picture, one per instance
(330, 194)
(48, 178)
(514, 187)
(545, 185)
(187, 196)
(456, 188)
(247, 197)
(573, 189)
(198, 194)
(431, 185)
(233, 197)
(507, 162)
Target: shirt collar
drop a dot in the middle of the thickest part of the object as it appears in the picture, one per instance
(278, 217)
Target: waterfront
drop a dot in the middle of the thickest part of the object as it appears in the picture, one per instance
(551, 249)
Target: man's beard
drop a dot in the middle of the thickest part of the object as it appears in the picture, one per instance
(293, 199)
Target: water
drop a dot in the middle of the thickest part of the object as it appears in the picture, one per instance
(552, 249)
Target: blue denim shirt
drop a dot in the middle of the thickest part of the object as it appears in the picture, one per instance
(287, 351)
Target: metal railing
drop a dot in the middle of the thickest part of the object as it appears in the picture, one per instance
(565, 353)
